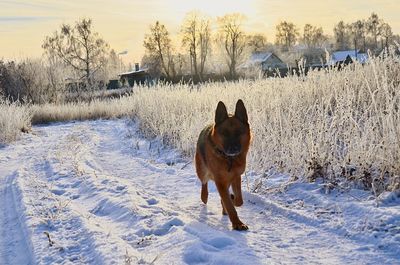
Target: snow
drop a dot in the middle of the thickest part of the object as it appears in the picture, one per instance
(97, 192)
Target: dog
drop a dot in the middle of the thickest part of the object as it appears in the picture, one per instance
(221, 156)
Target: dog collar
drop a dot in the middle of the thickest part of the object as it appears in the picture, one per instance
(222, 153)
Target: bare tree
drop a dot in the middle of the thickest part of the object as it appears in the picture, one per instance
(357, 31)
(373, 27)
(233, 38)
(32, 80)
(386, 33)
(80, 48)
(152, 63)
(286, 34)
(114, 64)
(55, 73)
(158, 46)
(196, 36)
(313, 36)
(181, 63)
(256, 42)
(342, 36)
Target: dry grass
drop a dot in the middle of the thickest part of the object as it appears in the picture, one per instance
(96, 109)
(14, 119)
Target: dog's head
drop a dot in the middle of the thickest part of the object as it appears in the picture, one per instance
(231, 133)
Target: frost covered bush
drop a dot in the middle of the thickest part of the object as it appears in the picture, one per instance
(327, 124)
(14, 118)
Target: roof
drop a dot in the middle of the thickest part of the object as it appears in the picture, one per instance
(341, 55)
(133, 72)
(257, 59)
(355, 55)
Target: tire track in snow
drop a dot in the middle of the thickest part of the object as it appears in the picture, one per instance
(131, 198)
(14, 240)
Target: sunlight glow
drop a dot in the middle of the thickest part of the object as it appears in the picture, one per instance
(123, 23)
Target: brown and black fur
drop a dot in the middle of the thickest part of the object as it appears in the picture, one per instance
(221, 156)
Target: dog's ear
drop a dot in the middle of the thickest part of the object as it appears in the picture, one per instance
(240, 111)
(220, 114)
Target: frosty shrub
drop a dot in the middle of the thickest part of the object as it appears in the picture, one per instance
(14, 118)
(327, 124)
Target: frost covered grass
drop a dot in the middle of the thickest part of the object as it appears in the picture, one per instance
(331, 124)
(14, 118)
(96, 109)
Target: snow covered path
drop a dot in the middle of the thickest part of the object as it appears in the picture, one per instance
(97, 193)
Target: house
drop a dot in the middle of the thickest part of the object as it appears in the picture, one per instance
(135, 77)
(346, 57)
(264, 61)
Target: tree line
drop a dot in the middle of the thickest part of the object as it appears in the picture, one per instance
(77, 59)
(207, 42)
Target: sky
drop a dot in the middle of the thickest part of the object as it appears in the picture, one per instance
(124, 23)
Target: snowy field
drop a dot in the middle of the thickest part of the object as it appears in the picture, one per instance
(97, 192)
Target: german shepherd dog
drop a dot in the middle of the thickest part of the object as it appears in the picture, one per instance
(221, 156)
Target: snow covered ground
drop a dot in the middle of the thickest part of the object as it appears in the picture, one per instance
(96, 192)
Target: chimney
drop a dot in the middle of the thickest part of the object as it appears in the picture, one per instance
(136, 66)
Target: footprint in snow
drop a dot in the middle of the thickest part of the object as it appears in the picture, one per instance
(152, 201)
(105, 181)
(162, 230)
(76, 184)
(220, 242)
(75, 196)
(58, 192)
(170, 171)
(121, 187)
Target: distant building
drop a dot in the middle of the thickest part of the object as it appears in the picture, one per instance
(135, 77)
(346, 57)
(264, 61)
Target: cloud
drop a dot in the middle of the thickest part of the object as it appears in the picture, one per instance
(11, 19)
(25, 4)
(26, 18)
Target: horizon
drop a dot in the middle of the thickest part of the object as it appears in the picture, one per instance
(123, 24)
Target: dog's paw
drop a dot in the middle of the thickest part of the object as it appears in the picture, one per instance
(240, 227)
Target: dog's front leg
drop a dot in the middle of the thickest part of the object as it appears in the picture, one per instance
(223, 190)
(237, 191)
(204, 192)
